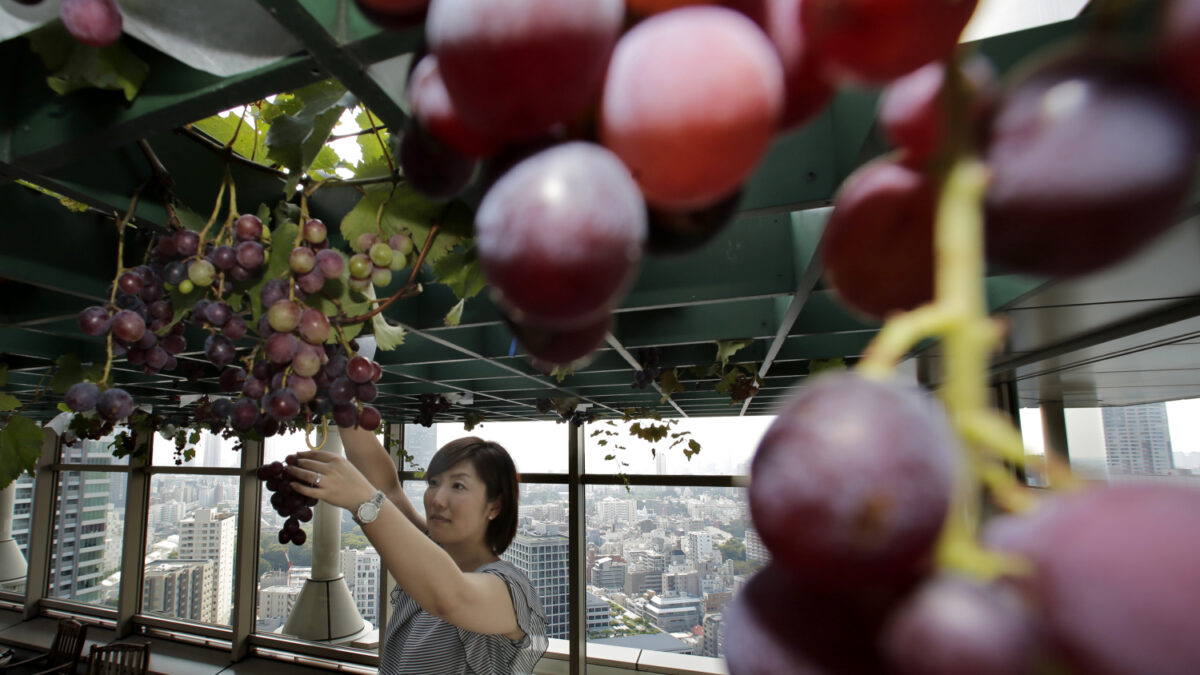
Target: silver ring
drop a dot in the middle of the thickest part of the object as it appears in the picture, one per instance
(317, 481)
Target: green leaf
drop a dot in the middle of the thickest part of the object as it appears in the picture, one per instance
(454, 316)
(70, 204)
(460, 270)
(69, 370)
(818, 366)
(669, 383)
(3, 374)
(63, 407)
(8, 403)
(727, 348)
(189, 219)
(652, 433)
(472, 419)
(295, 140)
(404, 211)
(693, 448)
(387, 336)
(73, 65)
(251, 136)
(20, 446)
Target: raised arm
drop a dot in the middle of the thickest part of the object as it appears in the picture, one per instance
(366, 453)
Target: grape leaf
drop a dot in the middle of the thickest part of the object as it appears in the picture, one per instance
(295, 140)
(472, 419)
(372, 150)
(251, 137)
(669, 383)
(652, 433)
(189, 219)
(387, 336)
(460, 270)
(8, 403)
(727, 348)
(692, 449)
(454, 316)
(69, 370)
(73, 65)
(20, 446)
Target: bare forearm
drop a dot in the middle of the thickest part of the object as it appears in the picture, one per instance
(426, 572)
(367, 454)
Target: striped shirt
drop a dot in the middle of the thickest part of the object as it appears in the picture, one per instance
(418, 643)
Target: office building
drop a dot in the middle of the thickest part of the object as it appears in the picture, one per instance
(544, 560)
(209, 535)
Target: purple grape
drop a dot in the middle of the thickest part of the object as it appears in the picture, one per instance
(129, 282)
(330, 263)
(336, 366)
(305, 514)
(219, 350)
(235, 328)
(307, 361)
(342, 391)
(175, 272)
(299, 537)
(239, 273)
(248, 228)
(223, 257)
(369, 418)
(254, 388)
(852, 481)
(320, 404)
(315, 231)
(284, 537)
(262, 370)
(94, 321)
(161, 309)
(217, 313)
(313, 326)
(366, 392)
(114, 404)
(264, 326)
(359, 370)
(312, 282)
(82, 396)
(222, 408)
(364, 242)
(345, 415)
(156, 358)
(273, 292)
(174, 344)
(281, 348)
(232, 378)
(267, 427)
(244, 414)
(250, 254)
(153, 292)
(304, 387)
(128, 326)
(136, 356)
(281, 404)
(187, 243)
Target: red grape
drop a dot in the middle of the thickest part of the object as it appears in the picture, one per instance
(254, 388)
(301, 260)
(342, 391)
(433, 168)
(561, 347)
(515, 68)
(281, 405)
(235, 328)
(655, 6)
(129, 282)
(1179, 46)
(313, 326)
(1090, 160)
(911, 110)
(852, 481)
(877, 249)
(433, 110)
(219, 350)
(187, 243)
(94, 321)
(559, 236)
(345, 415)
(306, 362)
(82, 396)
(250, 254)
(880, 40)
(128, 325)
(223, 257)
(359, 370)
(807, 90)
(392, 13)
(232, 378)
(281, 348)
(369, 418)
(248, 228)
(366, 392)
(667, 112)
(303, 387)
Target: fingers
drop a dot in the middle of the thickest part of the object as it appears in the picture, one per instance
(319, 455)
(313, 465)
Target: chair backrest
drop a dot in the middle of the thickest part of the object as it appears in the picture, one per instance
(121, 659)
(68, 643)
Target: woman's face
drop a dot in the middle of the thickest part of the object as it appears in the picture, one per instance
(457, 507)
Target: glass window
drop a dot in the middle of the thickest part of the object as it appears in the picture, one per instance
(87, 451)
(536, 447)
(210, 451)
(726, 446)
(85, 553)
(662, 564)
(191, 551)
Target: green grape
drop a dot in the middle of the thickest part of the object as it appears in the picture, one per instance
(360, 266)
(202, 273)
(186, 286)
(381, 254)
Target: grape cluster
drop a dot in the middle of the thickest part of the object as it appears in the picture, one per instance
(139, 313)
(312, 262)
(430, 406)
(287, 502)
(374, 260)
(651, 360)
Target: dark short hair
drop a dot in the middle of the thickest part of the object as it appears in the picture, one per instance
(494, 465)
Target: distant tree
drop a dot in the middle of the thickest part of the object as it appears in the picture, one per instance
(733, 549)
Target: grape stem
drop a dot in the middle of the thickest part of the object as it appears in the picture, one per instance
(112, 294)
(324, 434)
(383, 148)
(215, 212)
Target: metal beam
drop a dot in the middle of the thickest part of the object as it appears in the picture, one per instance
(616, 345)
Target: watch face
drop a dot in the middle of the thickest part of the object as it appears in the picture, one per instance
(368, 512)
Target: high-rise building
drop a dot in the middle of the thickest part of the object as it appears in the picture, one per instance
(114, 538)
(699, 546)
(180, 589)
(613, 509)
(755, 550)
(544, 560)
(275, 604)
(80, 525)
(1137, 440)
(714, 636)
(209, 535)
(608, 574)
(361, 571)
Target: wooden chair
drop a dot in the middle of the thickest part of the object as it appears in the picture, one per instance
(63, 655)
(119, 659)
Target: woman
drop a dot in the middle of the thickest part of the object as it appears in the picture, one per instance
(458, 607)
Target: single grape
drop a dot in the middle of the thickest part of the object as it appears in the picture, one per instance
(96, 23)
(114, 404)
(366, 392)
(877, 249)
(248, 228)
(303, 387)
(302, 260)
(380, 254)
(299, 537)
(1089, 160)
(156, 358)
(128, 325)
(360, 266)
(186, 286)
(369, 418)
(254, 388)
(175, 273)
(376, 371)
(201, 273)
(561, 347)
(342, 391)
(1114, 576)
(250, 254)
(910, 111)
(273, 292)
(284, 316)
(516, 69)
(433, 110)
(401, 244)
(305, 514)
(320, 404)
(174, 344)
(1179, 47)
(381, 277)
(282, 404)
(313, 326)
(315, 231)
(666, 111)
(284, 537)
(219, 350)
(94, 321)
(880, 40)
(312, 282)
(223, 257)
(345, 415)
(217, 314)
(852, 481)
(336, 367)
(306, 362)
(364, 242)
(235, 328)
(222, 408)
(331, 263)
(161, 309)
(187, 243)
(807, 91)
(432, 167)
(560, 235)
(359, 369)
(281, 348)
(82, 396)
(148, 340)
(129, 282)
(239, 273)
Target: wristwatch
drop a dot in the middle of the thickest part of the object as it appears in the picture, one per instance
(368, 511)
